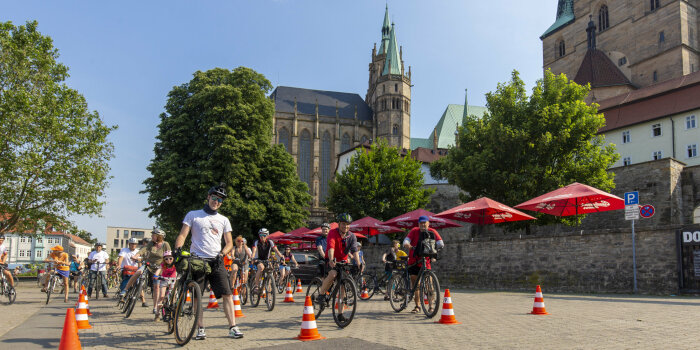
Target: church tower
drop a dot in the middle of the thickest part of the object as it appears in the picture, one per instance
(389, 91)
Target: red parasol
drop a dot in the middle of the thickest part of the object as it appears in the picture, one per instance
(317, 230)
(371, 226)
(296, 233)
(574, 199)
(484, 211)
(410, 220)
(276, 235)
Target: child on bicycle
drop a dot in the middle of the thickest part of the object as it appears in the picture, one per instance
(168, 275)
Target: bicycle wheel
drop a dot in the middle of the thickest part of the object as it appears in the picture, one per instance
(430, 289)
(169, 310)
(313, 290)
(187, 313)
(398, 294)
(243, 293)
(281, 285)
(255, 296)
(366, 284)
(344, 302)
(270, 295)
(10, 293)
(132, 303)
(49, 289)
(98, 285)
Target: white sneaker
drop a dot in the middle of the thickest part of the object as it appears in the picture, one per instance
(235, 333)
(201, 335)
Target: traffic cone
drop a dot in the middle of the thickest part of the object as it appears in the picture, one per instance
(189, 298)
(308, 323)
(87, 303)
(299, 290)
(364, 294)
(81, 316)
(264, 295)
(538, 308)
(448, 314)
(425, 299)
(237, 304)
(69, 337)
(288, 296)
(213, 304)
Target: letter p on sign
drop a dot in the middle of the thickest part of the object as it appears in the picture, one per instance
(631, 198)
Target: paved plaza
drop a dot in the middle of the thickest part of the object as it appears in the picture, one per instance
(490, 320)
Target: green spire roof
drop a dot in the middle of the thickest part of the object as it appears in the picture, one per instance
(565, 15)
(386, 28)
(392, 65)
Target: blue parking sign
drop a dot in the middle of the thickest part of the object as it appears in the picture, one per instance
(631, 198)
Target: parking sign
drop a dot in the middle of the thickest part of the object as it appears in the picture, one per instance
(631, 198)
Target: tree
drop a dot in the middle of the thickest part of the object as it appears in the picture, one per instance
(54, 153)
(379, 183)
(526, 146)
(218, 128)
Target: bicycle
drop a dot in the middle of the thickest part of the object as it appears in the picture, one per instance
(112, 278)
(5, 288)
(342, 294)
(267, 284)
(95, 282)
(239, 283)
(55, 281)
(140, 285)
(368, 281)
(282, 283)
(401, 293)
(184, 307)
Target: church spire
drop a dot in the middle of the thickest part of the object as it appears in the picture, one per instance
(465, 114)
(392, 65)
(386, 28)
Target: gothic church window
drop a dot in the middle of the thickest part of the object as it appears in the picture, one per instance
(305, 157)
(345, 143)
(396, 87)
(562, 49)
(325, 164)
(603, 22)
(654, 4)
(395, 129)
(283, 138)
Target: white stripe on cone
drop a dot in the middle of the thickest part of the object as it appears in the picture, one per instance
(538, 295)
(81, 317)
(539, 304)
(308, 310)
(447, 300)
(448, 312)
(82, 306)
(308, 324)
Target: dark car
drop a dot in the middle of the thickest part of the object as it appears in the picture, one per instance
(308, 266)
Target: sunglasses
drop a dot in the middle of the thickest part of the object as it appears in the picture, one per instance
(217, 199)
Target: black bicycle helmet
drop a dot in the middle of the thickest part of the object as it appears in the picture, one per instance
(344, 217)
(219, 190)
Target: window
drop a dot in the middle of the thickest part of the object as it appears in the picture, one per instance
(626, 161)
(345, 143)
(283, 138)
(117, 233)
(603, 22)
(39, 253)
(126, 233)
(116, 243)
(692, 150)
(657, 155)
(23, 239)
(383, 88)
(395, 129)
(562, 48)
(655, 77)
(626, 137)
(21, 253)
(622, 61)
(662, 38)
(656, 130)
(39, 239)
(325, 164)
(690, 122)
(396, 87)
(654, 4)
(305, 157)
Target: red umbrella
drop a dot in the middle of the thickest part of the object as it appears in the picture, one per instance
(410, 220)
(296, 233)
(574, 199)
(275, 235)
(484, 211)
(317, 230)
(371, 226)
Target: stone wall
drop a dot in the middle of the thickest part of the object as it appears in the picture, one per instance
(597, 262)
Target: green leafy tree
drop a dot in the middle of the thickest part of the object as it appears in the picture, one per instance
(218, 128)
(526, 146)
(379, 183)
(54, 153)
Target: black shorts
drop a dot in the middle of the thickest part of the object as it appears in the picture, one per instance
(218, 280)
(414, 270)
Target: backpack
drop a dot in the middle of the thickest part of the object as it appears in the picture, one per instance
(427, 246)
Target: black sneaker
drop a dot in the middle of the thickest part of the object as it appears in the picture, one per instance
(144, 305)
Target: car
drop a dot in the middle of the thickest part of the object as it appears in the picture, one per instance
(308, 266)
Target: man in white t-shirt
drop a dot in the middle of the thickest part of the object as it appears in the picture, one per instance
(208, 227)
(4, 255)
(98, 264)
(127, 265)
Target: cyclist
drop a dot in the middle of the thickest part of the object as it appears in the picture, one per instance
(127, 265)
(98, 264)
(287, 258)
(340, 242)
(263, 247)
(167, 272)
(151, 253)
(414, 239)
(61, 261)
(75, 270)
(389, 259)
(4, 255)
(208, 227)
(359, 263)
(242, 253)
(321, 245)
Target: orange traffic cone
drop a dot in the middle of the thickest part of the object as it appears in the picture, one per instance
(81, 316)
(288, 296)
(364, 294)
(87, 303)
(237, 304)
(299, 290)
(425, 299)
(264, 294)
(189, 298)
(308, 323)
(213, 304)
(538, 308)
(69, 337)
(448, 314)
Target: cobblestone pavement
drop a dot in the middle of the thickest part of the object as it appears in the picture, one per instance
(28, 302)
(490, 320)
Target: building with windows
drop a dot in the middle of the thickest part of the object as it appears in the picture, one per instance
(117, 237)
(33, 249)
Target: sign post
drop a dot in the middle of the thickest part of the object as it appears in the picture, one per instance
(632, 213)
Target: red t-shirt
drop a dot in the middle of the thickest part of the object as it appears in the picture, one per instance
(413, 236)
(339, 244)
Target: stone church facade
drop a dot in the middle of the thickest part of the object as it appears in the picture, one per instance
(315, 125)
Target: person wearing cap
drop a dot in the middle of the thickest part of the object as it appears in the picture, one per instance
(98, 264)
(61, 260)
(127, 265)
(413, 240)
(4, 255)
(263, 248)
(150, 256)
(342, 243)
(321, 245)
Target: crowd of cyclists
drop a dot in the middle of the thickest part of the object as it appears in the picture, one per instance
(174, 279)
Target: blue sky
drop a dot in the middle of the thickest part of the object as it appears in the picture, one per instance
(124, 57)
